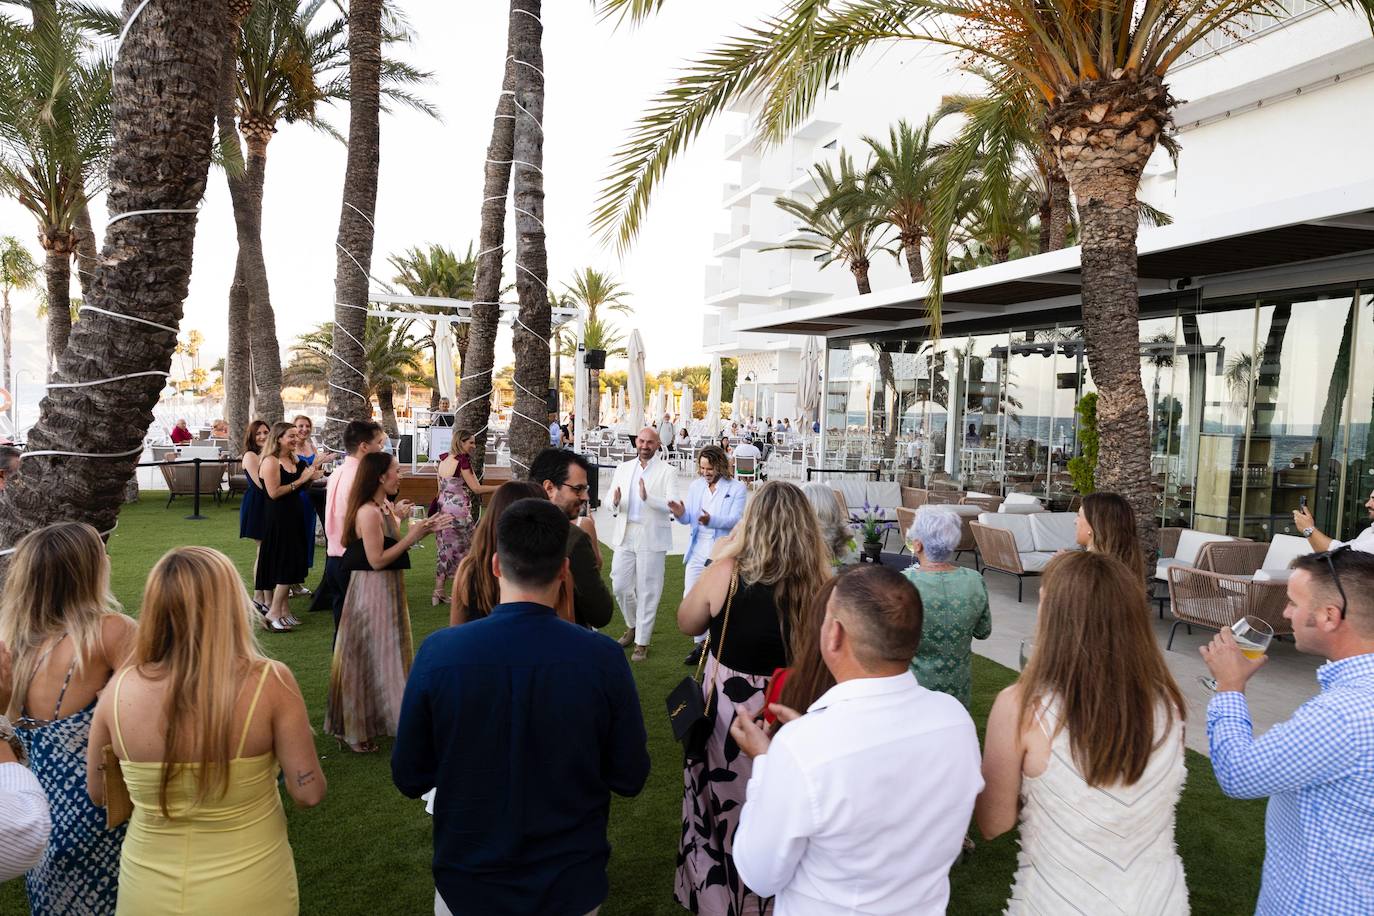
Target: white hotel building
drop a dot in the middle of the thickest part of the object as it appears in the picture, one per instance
(1257, 304)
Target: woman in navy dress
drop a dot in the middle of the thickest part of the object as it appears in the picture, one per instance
(306, 453)
(253, 506)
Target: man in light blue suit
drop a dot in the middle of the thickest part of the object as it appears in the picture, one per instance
(714, 505)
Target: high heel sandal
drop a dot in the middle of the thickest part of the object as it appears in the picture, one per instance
(364, 747)
(276, 626)
(437, 599)
(261, 608)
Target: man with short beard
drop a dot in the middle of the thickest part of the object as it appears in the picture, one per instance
(563, 475)
(644, 497)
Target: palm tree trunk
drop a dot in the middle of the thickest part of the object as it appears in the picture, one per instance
(479, 353)
(1105, 131)
(529, 432)
(7, 351)
(250, 272)
(386, 405)
(1046, 215)
(594, 400)
(1059, 210)
(86, 249)
(169, 64)
(911, 249)
(238, 379)
(57, 271)
(353, 257)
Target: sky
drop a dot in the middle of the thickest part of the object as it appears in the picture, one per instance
(599, 78)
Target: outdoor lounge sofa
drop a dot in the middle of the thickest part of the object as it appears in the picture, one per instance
(1254, 583)
(1022, 544)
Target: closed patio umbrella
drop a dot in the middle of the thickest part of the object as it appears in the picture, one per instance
(686, 410)
(809, 382)
(636, 380)
(443, 362)
(737, 405)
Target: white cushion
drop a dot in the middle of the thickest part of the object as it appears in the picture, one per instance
(1018, 525)
(1273, 575)
(1020, 499)
(855, 492)
(1190, 544)
(1054, 531)
(885, 494)
(964, 511)
(1020, 508)
(1037, 560)
(1162, 568)
(1283, 550)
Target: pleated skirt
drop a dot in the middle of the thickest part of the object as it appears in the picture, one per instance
(372, 656)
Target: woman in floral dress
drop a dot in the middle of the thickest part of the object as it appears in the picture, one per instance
(457, 487)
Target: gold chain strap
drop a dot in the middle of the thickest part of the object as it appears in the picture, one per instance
(710, 690)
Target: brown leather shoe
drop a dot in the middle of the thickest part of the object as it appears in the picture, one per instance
(627, 640)
(640, 654)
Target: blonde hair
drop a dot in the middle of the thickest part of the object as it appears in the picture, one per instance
(196, 626)
(59, 583)
(1096, 653)
(778, 542)
(273, 447)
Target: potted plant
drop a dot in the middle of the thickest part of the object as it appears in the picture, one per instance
(872, 523)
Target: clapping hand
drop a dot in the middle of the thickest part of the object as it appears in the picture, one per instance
(676, 508)
(704, 518)
(615, 497)
(402, 508)
(437, 522)
(643, 490)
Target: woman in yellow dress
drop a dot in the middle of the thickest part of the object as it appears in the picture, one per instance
(202, 723)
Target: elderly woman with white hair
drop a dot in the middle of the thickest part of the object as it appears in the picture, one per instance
(955, 600)
(834, 521)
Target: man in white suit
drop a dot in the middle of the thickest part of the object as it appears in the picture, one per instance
(715, 502)
(644, 499)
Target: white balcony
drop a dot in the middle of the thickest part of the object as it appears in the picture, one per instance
(736, 145)
(798, 280)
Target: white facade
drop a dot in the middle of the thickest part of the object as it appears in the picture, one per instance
(1283, 113)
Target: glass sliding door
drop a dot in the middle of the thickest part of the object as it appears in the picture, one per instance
(1357, 483)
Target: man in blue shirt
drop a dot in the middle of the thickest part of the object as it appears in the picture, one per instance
(524, 724)
(1317, 768)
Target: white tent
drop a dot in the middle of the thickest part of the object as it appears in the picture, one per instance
(713, 400)
(443, 362)
(809, 382)
(636, 381)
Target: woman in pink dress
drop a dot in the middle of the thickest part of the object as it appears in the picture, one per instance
(457, 487)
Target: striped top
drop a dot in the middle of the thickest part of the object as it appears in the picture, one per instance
(1100, 851)
(24, 820)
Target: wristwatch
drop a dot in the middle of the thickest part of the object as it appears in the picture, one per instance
(1307, 532)
(7, 735)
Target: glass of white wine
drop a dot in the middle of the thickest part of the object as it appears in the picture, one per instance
(1027, 649)
(1252, 636)
(418, 513)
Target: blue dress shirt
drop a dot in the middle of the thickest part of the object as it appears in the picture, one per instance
(524, 724)
(1318, 770)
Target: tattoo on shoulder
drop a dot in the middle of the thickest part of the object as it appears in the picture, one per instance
(305, 778)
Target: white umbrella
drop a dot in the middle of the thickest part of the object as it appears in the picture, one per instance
(443, 362)
(686, 406)
(605, 408)
(656, 406)
(579, 401)
(809, 384)
(713, 400)
(737, 405)
(636, 379)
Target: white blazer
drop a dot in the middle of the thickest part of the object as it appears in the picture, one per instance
(660, 481)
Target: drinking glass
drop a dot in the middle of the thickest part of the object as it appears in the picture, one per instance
(1027, 650)
(1253, 636)
(417, 513)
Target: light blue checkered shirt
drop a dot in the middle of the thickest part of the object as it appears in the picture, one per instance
(1317, 769)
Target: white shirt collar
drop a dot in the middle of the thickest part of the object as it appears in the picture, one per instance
(860, 687)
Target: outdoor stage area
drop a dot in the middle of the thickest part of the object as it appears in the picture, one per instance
(366, 834)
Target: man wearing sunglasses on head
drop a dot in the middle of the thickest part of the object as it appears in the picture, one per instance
(563, 475)
(1307, 527)
(1317, 768)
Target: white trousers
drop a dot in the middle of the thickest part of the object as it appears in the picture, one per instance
(637, 580)
(441, 908)
(696, 565)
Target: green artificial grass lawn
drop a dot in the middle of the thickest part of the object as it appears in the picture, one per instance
(366, 849)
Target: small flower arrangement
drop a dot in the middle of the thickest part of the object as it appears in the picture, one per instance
(872, 523)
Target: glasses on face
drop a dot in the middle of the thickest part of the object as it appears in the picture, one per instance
(581, 489)
(1335, 576)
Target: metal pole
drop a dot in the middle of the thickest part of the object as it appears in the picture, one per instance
(195, 515)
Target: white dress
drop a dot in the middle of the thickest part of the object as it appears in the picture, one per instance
(1100, 850)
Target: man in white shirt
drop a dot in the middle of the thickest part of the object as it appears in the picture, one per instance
(747, 449)
(25, 823)
(862, 804)
(667, 432)
(1307, 527)
(644, 499)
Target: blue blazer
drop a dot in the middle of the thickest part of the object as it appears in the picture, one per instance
(723, 521)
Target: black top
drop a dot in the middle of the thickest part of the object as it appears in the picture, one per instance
(355, 556)
(756, 642)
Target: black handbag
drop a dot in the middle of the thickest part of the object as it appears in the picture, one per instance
(689, 704)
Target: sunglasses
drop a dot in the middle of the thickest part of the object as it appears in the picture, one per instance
(1327, 555)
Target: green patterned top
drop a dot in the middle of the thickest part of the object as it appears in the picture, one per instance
(956, 613)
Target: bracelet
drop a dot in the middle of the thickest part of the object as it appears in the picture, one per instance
(10, 737)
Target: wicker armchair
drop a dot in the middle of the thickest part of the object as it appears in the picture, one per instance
(997, 551)
(1214, 600)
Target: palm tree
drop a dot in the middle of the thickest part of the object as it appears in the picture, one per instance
(597, 334)
(18, 271)
(438, 271)
(841, 222)
(390, 359)
(594, 291)
(995, 228)
(530, 337)
(168, 64)
(901, 184)
(54, 139)
(474, 394)
(1100, 69)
